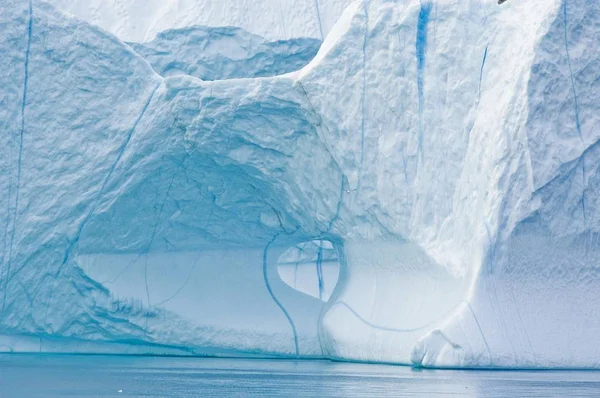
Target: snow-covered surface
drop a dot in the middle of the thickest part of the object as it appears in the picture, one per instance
(224, 53)
(141, 20)
(447, 150)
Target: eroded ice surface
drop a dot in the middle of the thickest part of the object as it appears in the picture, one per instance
(447, 151)
(224, 53)
(141, 20)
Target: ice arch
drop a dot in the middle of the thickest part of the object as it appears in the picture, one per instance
(213, 189)
(209, 213)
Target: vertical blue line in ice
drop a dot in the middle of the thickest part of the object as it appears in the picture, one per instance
(272, 294)
(485, 53)
(320, 270)
(576, 98)
(20, 156)
(319, 19)
(576, 104)
(421, 52)
(112, 169)
(363, 99)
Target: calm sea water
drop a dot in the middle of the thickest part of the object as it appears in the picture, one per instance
(117, 376)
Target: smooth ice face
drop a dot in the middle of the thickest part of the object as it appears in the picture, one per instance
(446, 153)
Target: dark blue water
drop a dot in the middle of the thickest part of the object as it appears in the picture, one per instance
(104, 376)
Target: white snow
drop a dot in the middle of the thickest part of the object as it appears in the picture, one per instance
(447, 151)
(141, 20)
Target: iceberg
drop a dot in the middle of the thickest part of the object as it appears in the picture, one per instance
(142, 20)
(423, 191)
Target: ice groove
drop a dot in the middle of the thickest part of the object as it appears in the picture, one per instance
(98, 196)
(153, 235)
(319, 19)
(485, 54)
(421, 52)
(275, 299)
(363, 98)
(575, 96)
(319, 265)
(20, 155)
(395, 330)
(487, 346)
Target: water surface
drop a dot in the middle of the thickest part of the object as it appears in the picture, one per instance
(104, 376)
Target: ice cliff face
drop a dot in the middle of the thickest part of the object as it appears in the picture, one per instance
(445, 151)
(142, 20)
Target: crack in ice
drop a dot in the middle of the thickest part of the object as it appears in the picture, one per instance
(575, 96)
(480, 331)
(153, 235)
(363, 98)
(395, 330)
(319, 19)
(576, 103)
(20, 156)
(275, 299)
(106, 180)
(485, 54)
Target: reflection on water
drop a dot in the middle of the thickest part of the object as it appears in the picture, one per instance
(119, 376)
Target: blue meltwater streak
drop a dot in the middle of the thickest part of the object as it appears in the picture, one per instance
(421, 51)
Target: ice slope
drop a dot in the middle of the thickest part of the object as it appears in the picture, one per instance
(446, 150)
(224, 53)
(142, 20)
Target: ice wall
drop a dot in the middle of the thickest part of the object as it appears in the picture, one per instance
(447, 150)
(62, 137)
(141, 20)
(536, 296)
